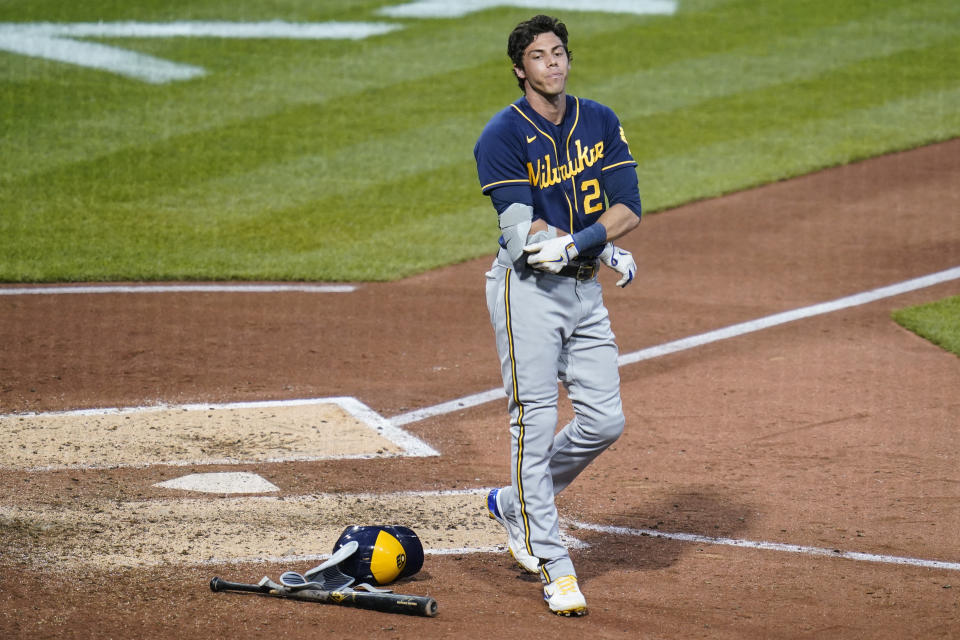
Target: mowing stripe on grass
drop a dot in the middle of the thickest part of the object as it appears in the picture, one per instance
(109, 180)
(798, 149)
(683, 84)
(785, 61)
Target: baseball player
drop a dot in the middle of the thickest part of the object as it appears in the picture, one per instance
(551, 163)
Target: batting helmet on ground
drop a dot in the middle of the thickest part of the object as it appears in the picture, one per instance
(384, 553)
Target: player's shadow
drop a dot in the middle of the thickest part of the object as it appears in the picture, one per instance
(647, 545)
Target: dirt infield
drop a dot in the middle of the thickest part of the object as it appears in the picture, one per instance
(793, 479)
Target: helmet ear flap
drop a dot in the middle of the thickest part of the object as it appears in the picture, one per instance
(383, 554)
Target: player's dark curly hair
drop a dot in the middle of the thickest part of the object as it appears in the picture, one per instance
(525, 33)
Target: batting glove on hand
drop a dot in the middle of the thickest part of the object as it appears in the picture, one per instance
(620, 261)
(551, 255)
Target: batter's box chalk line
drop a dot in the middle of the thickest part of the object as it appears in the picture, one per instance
(379, 437)
(767, 546)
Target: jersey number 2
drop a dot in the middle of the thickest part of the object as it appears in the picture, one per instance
(591, 202)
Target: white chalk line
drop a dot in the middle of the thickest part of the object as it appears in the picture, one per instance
(790, 316)
(320, 557)
(714, 336)
(769, 546)
(449, 407)
(683, 344)
(412, 446)
(573, 542)
(570, 541)
(270, 29)
(672, 347)
(53, 41)
(204, 462)
(177, 288)
(447, 9)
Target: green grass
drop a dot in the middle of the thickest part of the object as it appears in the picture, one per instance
(938, 322)
(352, 160)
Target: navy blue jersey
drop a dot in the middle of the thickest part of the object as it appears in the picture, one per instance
(563, 165)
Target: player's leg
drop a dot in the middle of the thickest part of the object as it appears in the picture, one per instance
(590, 374)
(524, 312)
(500, 502)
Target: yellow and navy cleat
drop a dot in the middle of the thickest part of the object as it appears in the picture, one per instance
(564, 598)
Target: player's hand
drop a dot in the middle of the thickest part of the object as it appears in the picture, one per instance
(620, 261)
(551, 255)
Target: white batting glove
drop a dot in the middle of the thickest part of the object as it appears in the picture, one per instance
(551, 255)
(620, 261)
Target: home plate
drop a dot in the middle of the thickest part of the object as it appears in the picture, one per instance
(230, 482)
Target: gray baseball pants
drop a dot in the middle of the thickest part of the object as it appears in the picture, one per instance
(548, 328)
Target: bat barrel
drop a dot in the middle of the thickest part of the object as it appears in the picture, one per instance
(390, 603)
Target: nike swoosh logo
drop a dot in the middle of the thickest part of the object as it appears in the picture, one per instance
(531, 139)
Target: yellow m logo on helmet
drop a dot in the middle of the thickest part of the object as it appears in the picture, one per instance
(388, 558)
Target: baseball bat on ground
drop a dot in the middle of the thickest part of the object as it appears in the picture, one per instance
(386, 602)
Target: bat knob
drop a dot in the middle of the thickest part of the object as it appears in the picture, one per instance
(214, 584)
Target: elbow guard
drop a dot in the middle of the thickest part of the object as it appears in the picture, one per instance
(515, 224)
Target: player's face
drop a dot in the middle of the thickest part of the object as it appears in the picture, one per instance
(545, 65)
